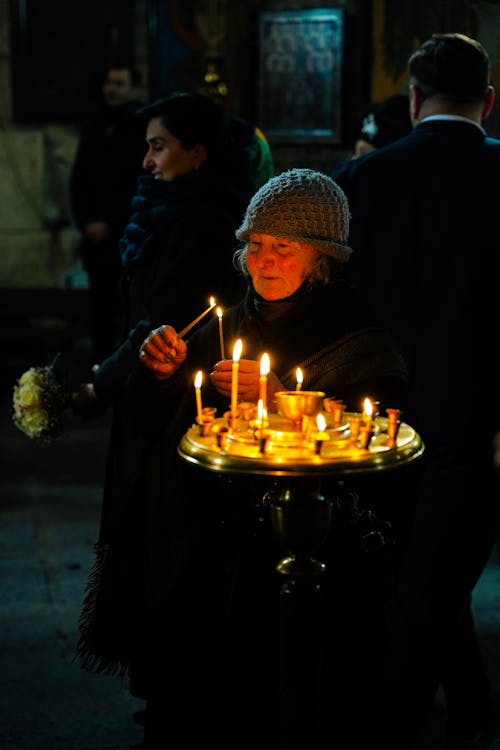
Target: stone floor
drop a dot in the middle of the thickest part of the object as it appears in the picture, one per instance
(49, 510)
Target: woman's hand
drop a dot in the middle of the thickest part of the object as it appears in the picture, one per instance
(248, 380)
(163, 352)
(85, 403)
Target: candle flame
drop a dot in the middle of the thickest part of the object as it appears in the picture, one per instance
(219, 312)
(299, 376)
(212, 302)
(237, 350)
(265, 365)
(198, 378)
(367, 407)
(321, 422)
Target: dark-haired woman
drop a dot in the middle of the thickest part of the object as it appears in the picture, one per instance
(176, 253)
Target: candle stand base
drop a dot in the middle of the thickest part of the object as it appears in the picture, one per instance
(301, 664)
(297, 566)
(300, 516)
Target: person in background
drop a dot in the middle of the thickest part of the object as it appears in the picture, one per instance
(194, 560)
(382, 124)
(103, 178)
(427, 256)
(245, 135)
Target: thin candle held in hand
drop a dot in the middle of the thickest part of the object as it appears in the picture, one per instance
(197, 388)
(300, 379)
(221, 333)
(234, 382)
(265, 366)
(197, 320)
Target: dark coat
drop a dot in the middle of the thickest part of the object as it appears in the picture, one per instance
(103, 179)
(426, 254)
(107, 163)
(426, 245)
(178, 250)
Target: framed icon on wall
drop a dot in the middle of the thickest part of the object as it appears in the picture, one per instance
(300, 74)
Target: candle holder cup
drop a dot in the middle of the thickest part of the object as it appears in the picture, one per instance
(206, 420)
(295, 405)
(209, 412)
(232, 420)
(393, 423)
(354, 427)
(220, 433)
(365, 437)
(247, 410)
(257, 425)
(335, 407)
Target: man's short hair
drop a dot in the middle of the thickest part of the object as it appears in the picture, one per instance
(453, 66)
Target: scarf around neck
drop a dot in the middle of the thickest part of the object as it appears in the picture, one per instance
(270, 310)
(156, 205)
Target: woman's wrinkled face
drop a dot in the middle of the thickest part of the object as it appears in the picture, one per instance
(166, 158)
(278, 266)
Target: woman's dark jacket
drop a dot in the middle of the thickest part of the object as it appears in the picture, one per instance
(177, 252)
(165, 522)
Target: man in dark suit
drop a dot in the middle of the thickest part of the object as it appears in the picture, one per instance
(427, 254)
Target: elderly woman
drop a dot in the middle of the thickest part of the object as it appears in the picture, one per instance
(209, 593)
(296, 307)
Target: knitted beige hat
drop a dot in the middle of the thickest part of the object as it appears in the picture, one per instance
(302, 205)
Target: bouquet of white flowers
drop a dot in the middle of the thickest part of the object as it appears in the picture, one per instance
(39, 402)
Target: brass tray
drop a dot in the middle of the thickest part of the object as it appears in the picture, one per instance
(285, 452)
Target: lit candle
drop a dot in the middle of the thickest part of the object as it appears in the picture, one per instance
(321, 435)
(261, 423)
(367, 413)
(265, 366)
(221, 333)
(197, 389)
(300, 379)
(234, 382)
(197, 320)
(321, 422)
(260, 416)
(366, 426)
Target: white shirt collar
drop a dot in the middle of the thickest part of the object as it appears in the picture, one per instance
(453, 118)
